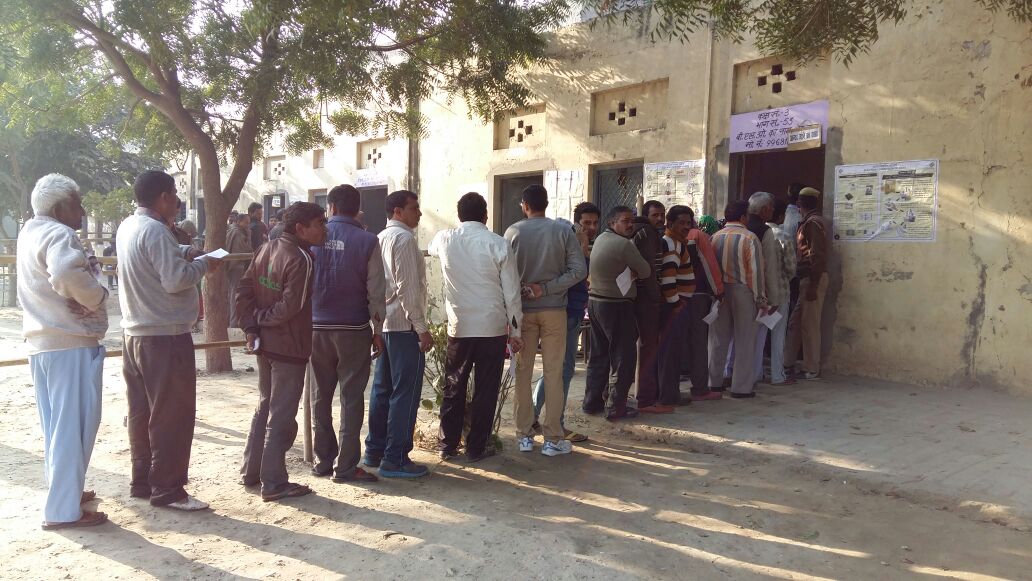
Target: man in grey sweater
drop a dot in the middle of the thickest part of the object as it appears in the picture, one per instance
(159, 303)
(549, 260)
(615, 264)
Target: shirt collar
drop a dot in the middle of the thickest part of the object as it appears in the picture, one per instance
(141, 211)
(398, 224)
(346, 220)
(473, 225)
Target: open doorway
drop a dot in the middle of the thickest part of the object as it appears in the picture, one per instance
(774, 171)
(509, 194)
(374, 208)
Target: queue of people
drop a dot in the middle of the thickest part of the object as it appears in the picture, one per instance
(326, 292)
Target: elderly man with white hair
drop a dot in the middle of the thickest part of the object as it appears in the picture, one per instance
(64, 318)
(761, 211)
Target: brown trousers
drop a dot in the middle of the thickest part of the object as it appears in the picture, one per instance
(804, 327)
(161, 389)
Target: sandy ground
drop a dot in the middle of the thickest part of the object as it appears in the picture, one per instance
(626, 504)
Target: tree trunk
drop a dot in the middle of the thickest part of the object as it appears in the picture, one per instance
(216, 291)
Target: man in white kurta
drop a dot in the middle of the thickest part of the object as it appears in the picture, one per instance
(64, 318)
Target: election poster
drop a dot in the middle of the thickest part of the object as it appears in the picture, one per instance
(887, 202)
(676, 182)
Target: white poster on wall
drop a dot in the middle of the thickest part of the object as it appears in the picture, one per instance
(894, 201)
(565, 191)
(676, 182)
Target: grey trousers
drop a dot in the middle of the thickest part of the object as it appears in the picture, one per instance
(339, 357)
(233, 277)
(737, 319)
(274, 425)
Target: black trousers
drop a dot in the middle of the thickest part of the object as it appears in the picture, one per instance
(161, 389)
(684, 346)
(485, 356)
(649, 324)
(614, 350)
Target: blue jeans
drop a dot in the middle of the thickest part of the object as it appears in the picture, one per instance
(394, 398)
(573, 324)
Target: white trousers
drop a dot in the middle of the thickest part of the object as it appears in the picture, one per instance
(68, 396)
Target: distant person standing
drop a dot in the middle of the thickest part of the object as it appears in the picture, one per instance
(690, 280)
(276, 225)
(64, 319)
(274, 305)
(804, 328)
(647, 236)
(259, 231)
(482, 298)
(761, 210)
(741, 262)
(785, 272)
(348, 310)
(586, 218)
(398, 379)
(238, 241)
(550, 261)
(108, 268)
(159, 306)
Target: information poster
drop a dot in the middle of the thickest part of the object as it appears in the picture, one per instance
(892, 202)
(565, 191)
(676, 182)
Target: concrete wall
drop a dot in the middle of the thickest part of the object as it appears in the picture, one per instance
(952, 83)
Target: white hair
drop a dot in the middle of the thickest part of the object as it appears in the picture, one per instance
(759, 201)
(51, 190)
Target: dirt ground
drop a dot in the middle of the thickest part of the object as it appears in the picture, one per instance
(622, 505)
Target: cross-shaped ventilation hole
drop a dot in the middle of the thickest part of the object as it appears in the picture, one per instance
(181, 184)
(279, 169)
(374, 156)
(775, 78)
(521, 131)
(622, 113)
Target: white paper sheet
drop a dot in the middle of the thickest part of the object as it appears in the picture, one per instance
(512, 364)
(220, 253)
(624, 281)
(769, 320)
(713, 313)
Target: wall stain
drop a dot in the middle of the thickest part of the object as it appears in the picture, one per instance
(889, 274)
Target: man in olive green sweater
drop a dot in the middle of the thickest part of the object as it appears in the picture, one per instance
(611, 296)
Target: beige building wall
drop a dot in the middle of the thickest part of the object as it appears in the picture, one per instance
(952, 83)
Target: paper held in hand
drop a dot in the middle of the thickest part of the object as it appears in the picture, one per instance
(220, 253)
(512, 363)
(769, 320)
(624, 281)
(713, 313)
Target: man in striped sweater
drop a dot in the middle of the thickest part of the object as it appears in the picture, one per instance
(740, 257)
(690, 280)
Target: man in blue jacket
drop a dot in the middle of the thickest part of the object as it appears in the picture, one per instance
(347, 312)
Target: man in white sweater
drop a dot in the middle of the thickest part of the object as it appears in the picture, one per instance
(64, 318)
(158, 296)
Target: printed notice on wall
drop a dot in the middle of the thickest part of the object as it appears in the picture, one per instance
(676, 182)
(891, 202)
(565, 191)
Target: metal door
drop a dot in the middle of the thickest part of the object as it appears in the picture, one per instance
(618, 186)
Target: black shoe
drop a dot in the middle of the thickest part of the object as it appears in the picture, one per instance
(371, 462)
(487, 453)
(139, 493)
(592, 412)
(720, 389)
(321, 473)
(743, 395)
(622, 414)
(448, 453)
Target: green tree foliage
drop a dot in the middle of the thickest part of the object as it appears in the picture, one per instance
(801, 30)
(220, 77)
(111, 208)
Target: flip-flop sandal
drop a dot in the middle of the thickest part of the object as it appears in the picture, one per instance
(575, 437)
(358, 475)
(88, 519)
(289, 491)
(87, 495)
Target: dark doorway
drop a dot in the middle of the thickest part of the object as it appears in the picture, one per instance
(271, 204)
(618, 186)
(201, 217)
(774, 171)
(374, 208)
(508, 198)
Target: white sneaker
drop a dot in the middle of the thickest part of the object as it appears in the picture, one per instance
(188, 504)
(526, 444)
(557, 448)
